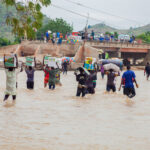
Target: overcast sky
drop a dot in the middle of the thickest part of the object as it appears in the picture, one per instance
(133, 13)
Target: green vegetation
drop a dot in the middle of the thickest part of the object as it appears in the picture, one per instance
(5, 41)
(27, 16)
(6, 30)
(116, 35)
(56, 25)
(145, 37)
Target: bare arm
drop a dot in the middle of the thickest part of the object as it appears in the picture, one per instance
(121, 84)
(136, 83)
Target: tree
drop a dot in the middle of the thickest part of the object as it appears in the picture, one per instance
(4, 42)
(55, 25)
(29, 17)
(107, 33)
(116, 35)
(145, 37)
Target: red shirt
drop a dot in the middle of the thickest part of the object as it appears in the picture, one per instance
(46, 74)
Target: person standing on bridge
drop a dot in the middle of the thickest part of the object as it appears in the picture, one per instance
(147, 70)
(127, 81)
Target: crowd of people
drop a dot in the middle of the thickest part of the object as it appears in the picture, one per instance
(87, 82)
(107, 37)
(86, 79)
(55, 37)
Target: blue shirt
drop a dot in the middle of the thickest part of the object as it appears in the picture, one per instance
(47, 34)
(58, 34)
(129, 77)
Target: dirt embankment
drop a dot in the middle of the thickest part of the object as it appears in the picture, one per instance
(38, 48)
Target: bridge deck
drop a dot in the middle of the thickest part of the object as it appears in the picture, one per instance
(118, 45)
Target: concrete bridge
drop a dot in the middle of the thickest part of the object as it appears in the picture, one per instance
(124, 50)
(115, 49)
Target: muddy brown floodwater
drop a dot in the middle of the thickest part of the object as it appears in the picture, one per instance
(56, 120)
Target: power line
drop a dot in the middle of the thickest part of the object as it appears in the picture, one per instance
(73, 12)
(76, 13)
(101, 11)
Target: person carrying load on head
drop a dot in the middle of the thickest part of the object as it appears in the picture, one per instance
(52, 76)
(46, 76)
(81, 79)
(92, 77)
(30, 64)
(111, 75)
(30, 77)
(10, 70)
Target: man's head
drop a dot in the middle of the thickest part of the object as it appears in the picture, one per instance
(147, 63)
(30, 68)
(81, 70)
(10, 69)
(128, 67)
(111, 70)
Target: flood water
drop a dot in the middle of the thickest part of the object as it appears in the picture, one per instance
(56, 120)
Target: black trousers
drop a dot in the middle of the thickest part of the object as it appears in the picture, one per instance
(81, 91)
(90, 90)
(65, 71)
(130, 92)
(6, 97)
(30, 85)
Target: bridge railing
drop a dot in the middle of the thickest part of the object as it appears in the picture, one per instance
(119, 44)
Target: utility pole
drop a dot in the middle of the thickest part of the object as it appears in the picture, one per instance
(86, 33)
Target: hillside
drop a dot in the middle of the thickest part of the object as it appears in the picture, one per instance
(102, 28)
